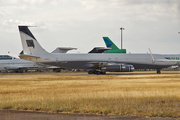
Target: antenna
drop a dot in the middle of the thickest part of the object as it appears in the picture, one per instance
(121, 37)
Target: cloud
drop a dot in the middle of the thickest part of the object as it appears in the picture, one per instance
(158, 6)
(175, 8)
(9, 1)
(12, 10)
(10, 25)
(34, 2)
(88, 20)
(149, 10)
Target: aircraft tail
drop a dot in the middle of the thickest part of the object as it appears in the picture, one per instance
(109, 43)
(29, 43)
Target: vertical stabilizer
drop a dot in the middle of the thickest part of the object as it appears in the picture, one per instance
(109, 43)
(114, 48)
(29, 43)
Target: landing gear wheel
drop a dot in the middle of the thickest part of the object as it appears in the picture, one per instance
(98, 72)
(90, 72)
(103, 73)
(158, 72)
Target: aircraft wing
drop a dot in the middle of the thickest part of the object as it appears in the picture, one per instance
(99, 50)
(17, 67)
(63, 49)
(11, 67)
(28, 56)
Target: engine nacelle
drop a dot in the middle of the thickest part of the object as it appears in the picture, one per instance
(118, 68)
(129, 68)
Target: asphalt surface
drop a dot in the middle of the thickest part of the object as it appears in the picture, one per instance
(44, 75)
(29, 115)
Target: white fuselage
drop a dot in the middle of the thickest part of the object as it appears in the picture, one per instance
(84, 61)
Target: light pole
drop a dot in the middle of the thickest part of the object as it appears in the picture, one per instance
(121, 37)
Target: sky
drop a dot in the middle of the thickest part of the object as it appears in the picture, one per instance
(81, 24)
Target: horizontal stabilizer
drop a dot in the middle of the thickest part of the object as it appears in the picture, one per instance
(63, 49)
(99, 50)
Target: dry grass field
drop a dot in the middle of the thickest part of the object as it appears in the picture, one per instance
(137, 93)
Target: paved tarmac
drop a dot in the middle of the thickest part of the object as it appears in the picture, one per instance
(31, 75)
(29, 115)
(49, 75)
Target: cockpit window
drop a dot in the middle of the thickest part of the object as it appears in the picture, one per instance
(5, 57)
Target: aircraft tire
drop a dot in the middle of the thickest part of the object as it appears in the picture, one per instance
(90, 72)
(158, 72)
(56, 70)
(103, 73)
(98, 73)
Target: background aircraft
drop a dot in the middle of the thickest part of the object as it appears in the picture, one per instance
(111, 48)
(96, 63)
(12, 64)
(114, 48)
(99, 50)
(63, 49)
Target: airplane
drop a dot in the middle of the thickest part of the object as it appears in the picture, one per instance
(111, 48)
(114, 48)
(12, 64)
(95, 63)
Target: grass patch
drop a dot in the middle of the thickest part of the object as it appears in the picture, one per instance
(140, 95)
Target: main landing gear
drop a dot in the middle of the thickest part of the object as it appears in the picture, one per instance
(97, 72)
(158, 72)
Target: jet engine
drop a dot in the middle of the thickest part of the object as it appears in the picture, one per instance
(118, 68)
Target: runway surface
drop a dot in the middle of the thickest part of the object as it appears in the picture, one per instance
(29, 115)
(36, 74)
